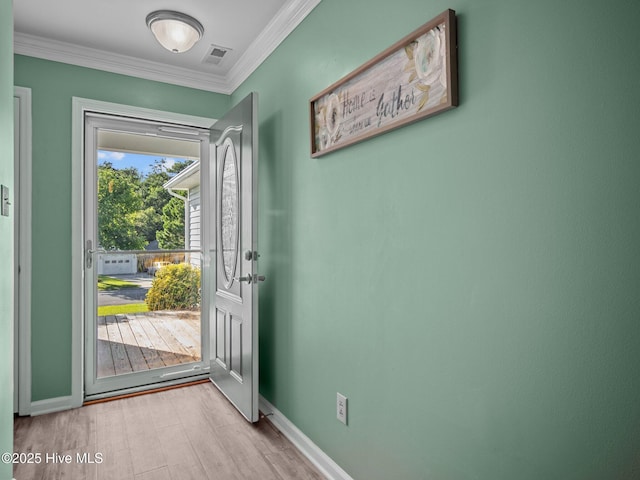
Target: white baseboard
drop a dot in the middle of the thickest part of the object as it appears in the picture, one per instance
(321, 460)
(51, 405)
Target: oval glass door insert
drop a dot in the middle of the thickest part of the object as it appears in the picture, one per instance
(229, 225)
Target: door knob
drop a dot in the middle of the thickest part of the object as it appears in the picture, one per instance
(251, 278)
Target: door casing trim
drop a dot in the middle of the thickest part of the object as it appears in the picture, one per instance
(79, 107)
(22, 186)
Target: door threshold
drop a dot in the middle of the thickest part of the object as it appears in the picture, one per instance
(147, 389)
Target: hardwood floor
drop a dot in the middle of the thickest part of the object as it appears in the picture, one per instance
(181, 434)
(143, 341)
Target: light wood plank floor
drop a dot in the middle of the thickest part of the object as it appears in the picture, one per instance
(143, 341)
(182, 434)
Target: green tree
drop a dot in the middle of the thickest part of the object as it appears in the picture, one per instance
(146, 222)
(119, 201)
(131, 207)
(155, 197)
(172, 234)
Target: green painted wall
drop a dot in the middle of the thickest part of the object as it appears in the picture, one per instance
(6, 235)
(470, 282)
(53, 85)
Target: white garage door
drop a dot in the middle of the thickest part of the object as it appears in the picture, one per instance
(114, 264)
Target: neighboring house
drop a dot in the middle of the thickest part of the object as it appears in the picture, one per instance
(189, 180)
(153, 245)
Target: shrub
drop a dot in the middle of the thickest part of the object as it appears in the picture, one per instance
(175, 287)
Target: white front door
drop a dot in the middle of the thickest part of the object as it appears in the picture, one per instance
(234, 316)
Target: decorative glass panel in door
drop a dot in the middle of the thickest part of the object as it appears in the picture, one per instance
(229, 197)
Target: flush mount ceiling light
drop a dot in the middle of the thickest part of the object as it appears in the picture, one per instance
(175, 31)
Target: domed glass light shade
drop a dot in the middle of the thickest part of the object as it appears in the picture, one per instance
(175, 31)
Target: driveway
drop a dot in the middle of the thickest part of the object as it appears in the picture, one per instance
(124, 296)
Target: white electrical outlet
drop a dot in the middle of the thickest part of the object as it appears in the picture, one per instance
(341, 408)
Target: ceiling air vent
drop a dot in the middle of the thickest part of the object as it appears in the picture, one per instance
(215, 54)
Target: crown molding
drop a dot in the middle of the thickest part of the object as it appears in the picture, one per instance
(57, 51)
(279, 28)
(285, 21)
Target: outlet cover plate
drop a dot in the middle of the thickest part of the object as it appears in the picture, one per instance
(341, 408)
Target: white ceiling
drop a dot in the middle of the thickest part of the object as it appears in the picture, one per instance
(112, 35)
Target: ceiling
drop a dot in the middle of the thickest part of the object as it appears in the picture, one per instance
(112, 35)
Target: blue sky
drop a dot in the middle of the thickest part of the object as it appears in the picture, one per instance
(143, 163)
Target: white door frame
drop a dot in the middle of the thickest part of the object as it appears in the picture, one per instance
(22, 251)
(79, 107)
(100, 387)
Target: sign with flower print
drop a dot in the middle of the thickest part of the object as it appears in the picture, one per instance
(413, 79)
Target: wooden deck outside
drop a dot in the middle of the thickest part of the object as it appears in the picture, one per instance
(143, 341)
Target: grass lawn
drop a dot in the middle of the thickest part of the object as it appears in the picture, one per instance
(110, 283)
(118, 309)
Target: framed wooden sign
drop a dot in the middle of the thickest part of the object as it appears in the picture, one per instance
(413, 79)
